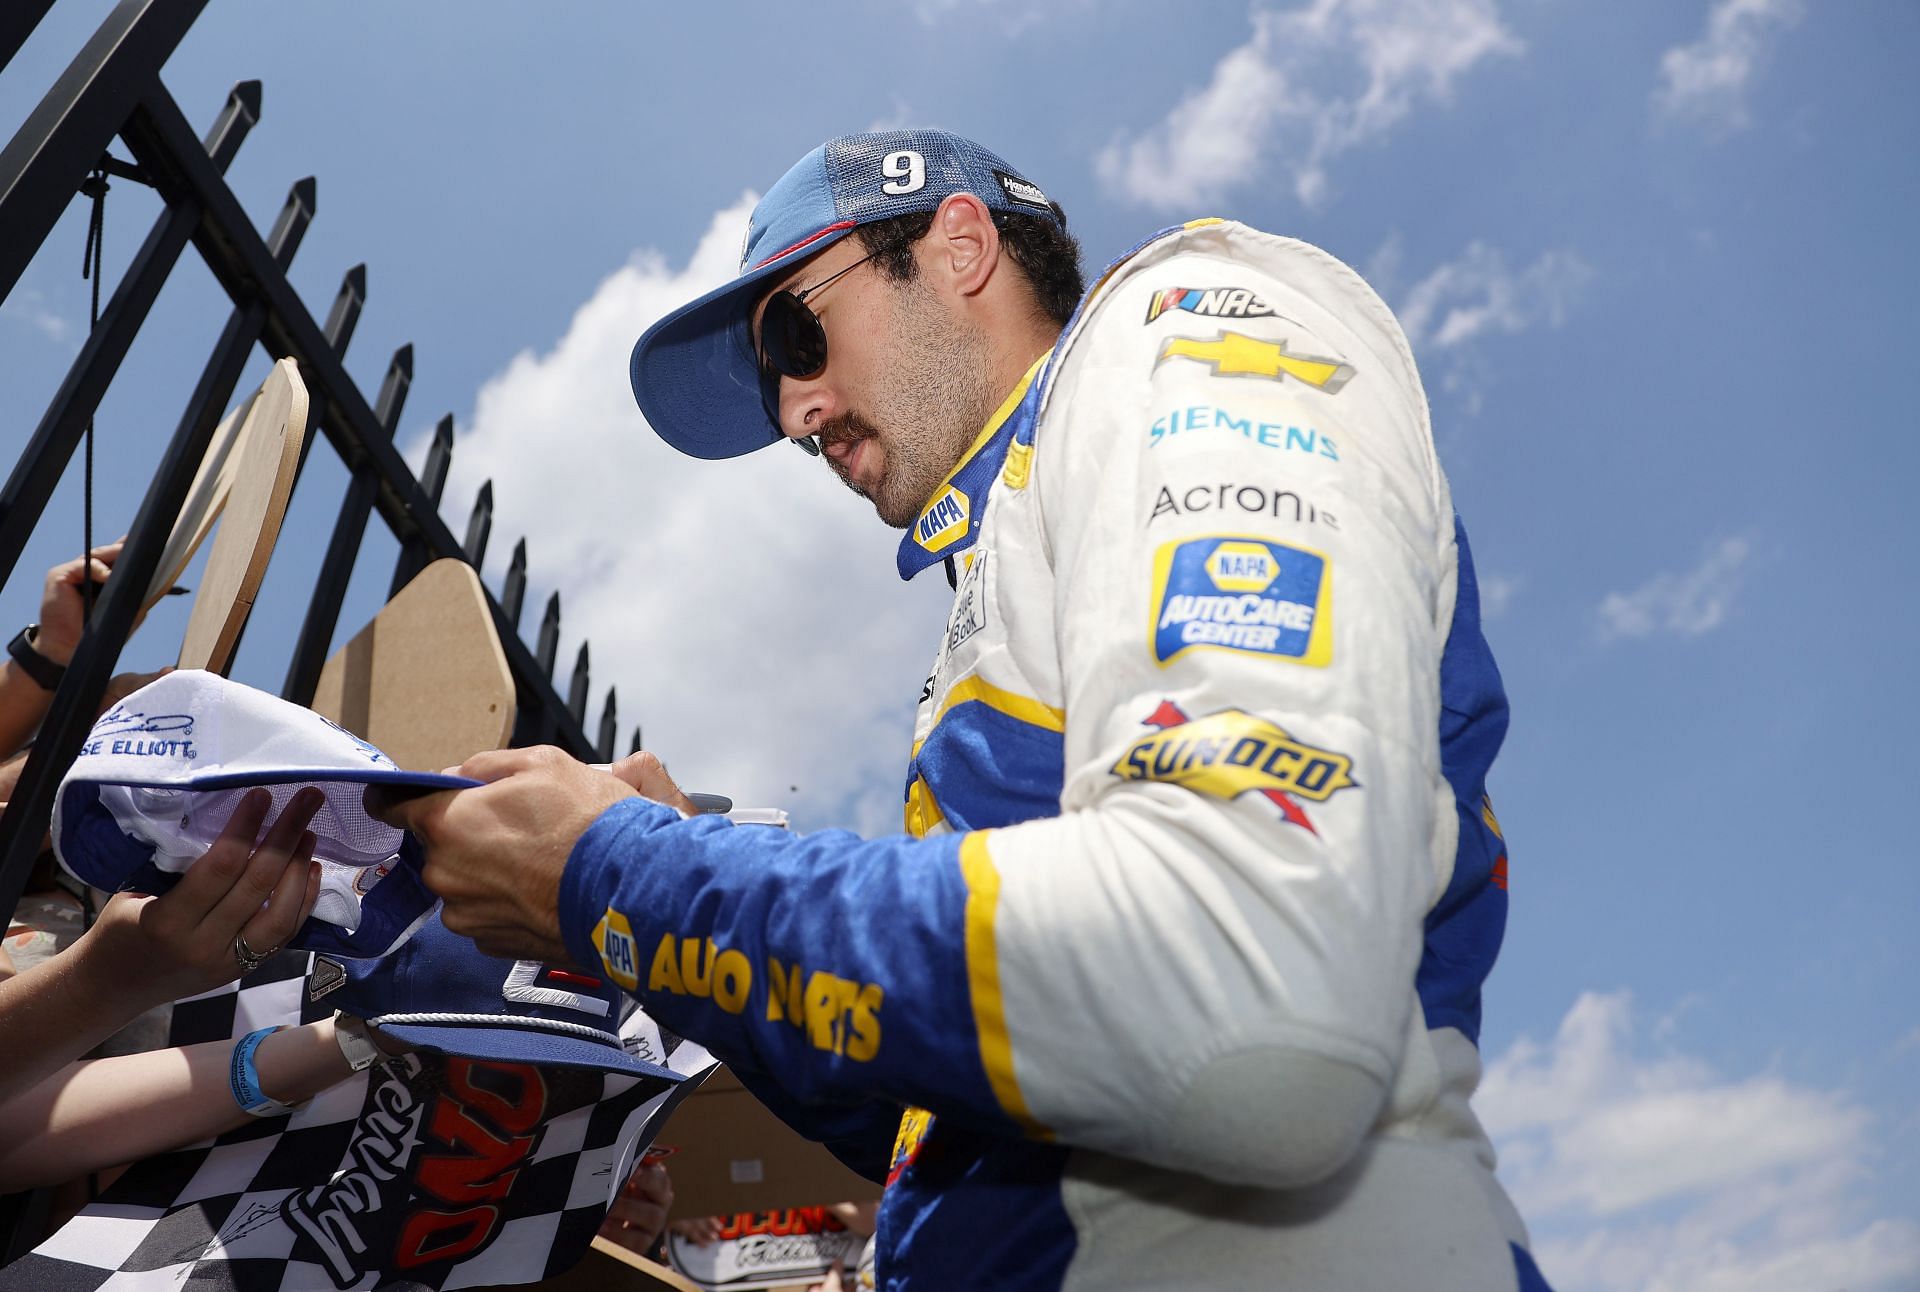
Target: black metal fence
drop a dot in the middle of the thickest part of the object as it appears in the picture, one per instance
(112, 90)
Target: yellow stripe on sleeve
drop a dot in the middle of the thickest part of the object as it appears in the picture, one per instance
(1025, 708)
(983, 979)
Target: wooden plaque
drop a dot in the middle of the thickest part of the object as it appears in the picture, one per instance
(426, 681)
(265, 456)
(206, 498)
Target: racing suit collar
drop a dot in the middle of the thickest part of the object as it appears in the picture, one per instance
(950, 521)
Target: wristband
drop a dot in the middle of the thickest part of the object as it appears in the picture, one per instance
(42, 670)
(245, 1078)
(355, 1043)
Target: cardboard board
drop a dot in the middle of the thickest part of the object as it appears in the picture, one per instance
(731, 1155)
(268, 454)
(426, 681)
(206, 499)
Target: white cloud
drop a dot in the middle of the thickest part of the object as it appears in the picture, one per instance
(898, 116)
(1471, 297)
(1311, 84)
(1476, 294)
(748, 610)
(1496, 594)
(1686, 604)
(29, 307)
(1707, 81)
(1663, 1175)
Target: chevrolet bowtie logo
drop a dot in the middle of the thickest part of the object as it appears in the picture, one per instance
(1232, 355)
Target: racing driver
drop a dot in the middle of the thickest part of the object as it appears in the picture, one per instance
(1174, 979)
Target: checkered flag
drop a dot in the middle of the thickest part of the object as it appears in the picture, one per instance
(425, 1172)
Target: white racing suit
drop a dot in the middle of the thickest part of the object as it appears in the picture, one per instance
(1177, 974)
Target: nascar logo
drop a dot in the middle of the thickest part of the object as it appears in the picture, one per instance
(1230, 753)
(944, 521)
(1210, 302)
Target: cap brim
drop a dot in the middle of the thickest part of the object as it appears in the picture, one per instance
(294, 776)
(694, 373)
(509, 1044)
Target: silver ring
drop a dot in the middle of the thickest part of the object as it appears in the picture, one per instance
(249, 959)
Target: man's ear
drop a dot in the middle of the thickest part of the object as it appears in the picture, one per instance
(963, 244)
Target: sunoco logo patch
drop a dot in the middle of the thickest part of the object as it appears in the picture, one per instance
(1232, 752)
(944, 522)
(1244, 593)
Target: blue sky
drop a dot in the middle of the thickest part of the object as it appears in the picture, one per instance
(1657, 264)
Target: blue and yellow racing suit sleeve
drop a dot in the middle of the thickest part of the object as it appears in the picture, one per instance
(830, 969)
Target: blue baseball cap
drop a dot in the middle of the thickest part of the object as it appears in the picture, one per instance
(441, 992)
(695, 373)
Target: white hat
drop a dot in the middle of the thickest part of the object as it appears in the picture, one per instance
(164, 769)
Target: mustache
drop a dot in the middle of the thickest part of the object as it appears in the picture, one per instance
(847, 428)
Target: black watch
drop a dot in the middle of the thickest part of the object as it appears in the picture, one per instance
(32, 662)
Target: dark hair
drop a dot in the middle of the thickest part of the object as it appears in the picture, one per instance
(1046, 253)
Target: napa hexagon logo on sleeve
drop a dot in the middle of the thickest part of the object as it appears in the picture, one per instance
(613, 938)
(1244, 593)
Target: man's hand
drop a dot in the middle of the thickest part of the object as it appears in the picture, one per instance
(495, 852)
(123, 685)
(62, 604)
(639, 1213)
(645, 772)
(701, 1231)
(248, 892)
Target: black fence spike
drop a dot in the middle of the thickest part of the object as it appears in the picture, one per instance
(433, 479)
(295, 216)
(246, 94)
(636, 740)
(549, 644)
(414, 552)
(514, 591)
(241, 114)
(345, 314)
(393, 389)
(577, 688)
(609, 725)
(341, 320)
(479, 526)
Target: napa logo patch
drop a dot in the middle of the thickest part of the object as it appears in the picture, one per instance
(944, 522)
(1226, 754)
(613, 938)
(1209, 302)
(1244, 593)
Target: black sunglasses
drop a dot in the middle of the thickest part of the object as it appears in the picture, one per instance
(794, 344)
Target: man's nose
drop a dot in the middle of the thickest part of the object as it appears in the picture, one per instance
(806, 405)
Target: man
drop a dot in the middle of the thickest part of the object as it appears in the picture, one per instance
(1177, 982)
